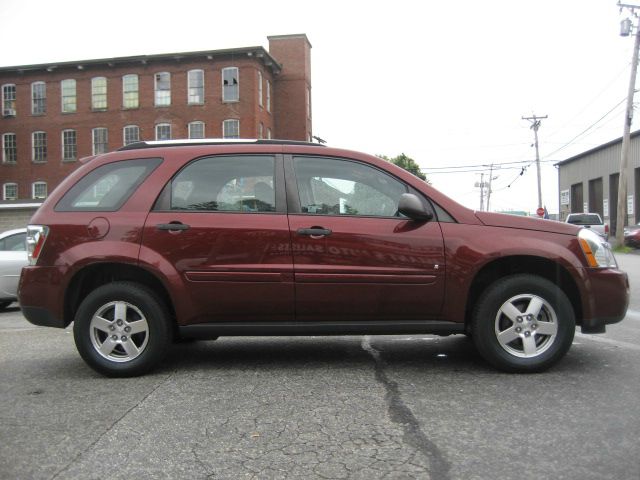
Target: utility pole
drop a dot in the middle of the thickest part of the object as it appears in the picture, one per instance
(535, 125)
(491, 178)
(625, 30)
(481, 192)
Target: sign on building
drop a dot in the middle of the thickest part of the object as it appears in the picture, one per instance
(565, 197)
(605, 207)
(630, 204)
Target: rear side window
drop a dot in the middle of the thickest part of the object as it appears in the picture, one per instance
(14, 243)
(108, 187)
(225, 184)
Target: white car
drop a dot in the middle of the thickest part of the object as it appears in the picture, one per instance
(13, 256)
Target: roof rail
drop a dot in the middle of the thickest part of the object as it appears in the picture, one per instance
(210, 141)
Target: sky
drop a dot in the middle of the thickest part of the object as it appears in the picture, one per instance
(446, 83)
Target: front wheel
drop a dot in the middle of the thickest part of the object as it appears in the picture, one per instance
(122, 329)
(523, 323)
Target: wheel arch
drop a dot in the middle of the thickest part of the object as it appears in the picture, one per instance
(532, 265)
(95, 275)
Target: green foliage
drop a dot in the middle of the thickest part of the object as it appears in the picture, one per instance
(408, 163)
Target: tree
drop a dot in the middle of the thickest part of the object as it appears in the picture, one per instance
(408, 163)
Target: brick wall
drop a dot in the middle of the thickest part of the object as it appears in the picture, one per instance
(15, 218)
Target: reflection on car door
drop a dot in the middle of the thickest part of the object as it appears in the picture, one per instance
(354, 258)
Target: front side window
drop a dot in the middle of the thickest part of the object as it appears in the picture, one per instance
(39, 146)
(196, 130)
(99, 93)
(230, 84)
(10, 191)
(108, 187)
(100, 140)
(195, 88)
(226, 184)
(68, 94)
(130, 91)
(162, 89)
(339, 187)
(69, 145)
(163, 131)
(39, 190)
(38, 98)
(231, 129)
(131, 134)
(9, 148)
(9, 100)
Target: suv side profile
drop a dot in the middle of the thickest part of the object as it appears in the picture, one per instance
(161, 241)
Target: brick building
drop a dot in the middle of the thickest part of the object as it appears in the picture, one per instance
(54, 114)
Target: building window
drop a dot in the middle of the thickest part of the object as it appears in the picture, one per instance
(38, 98)
(9, 100)
(69, 145)
(196, 130)
(268, 96)
(260, 88)
(10, 191)
(163, 131)
(163, 89)
(131, 134)
(39, 142)
(260, 130)
(99, 93)
(100, 140)
(308, 102)
(130, 91)
(230, 85)
(68, 93)
(269, 133)
(39, 190)
(9, 148)
(195, 87)
(231, 129)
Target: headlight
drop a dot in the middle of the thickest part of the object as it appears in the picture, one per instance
(596, 250)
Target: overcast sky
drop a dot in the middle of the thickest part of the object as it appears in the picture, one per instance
(443, 82)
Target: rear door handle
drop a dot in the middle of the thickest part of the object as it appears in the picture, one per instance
(172, 226)
(314, 231)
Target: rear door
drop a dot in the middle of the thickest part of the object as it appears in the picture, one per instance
(220, 234)
(355, 258)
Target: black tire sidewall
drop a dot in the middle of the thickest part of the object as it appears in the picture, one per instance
(152, 308)
(484, 315)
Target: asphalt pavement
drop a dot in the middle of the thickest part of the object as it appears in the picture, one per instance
(322, 407)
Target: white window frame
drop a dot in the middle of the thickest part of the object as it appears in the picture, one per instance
(4, 191)
(260, 99)
(35, 101)
(14, 147)
(163, 125)
(199, 124)
(34, 186)
(231, 95)
(128, 100)
(124, 134)
(195, 94)
(66, 104)
(159, 99)
(9, 104)
(42, 146)
(95, 145)
(99, 100)
(268, 133)
(231, 128)
(268, 96)
(260, 130)
(68, 147)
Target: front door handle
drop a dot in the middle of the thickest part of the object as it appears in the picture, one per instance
(314, 231)
(172, 226)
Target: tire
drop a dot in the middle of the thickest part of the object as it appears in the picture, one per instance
(127, 346)
(523, 323)
(5, 304)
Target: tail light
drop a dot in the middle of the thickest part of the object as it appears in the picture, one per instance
(36, 236)
(606, 229)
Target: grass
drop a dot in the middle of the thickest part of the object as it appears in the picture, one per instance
(622, 249)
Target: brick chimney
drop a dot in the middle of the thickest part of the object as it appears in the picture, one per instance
(292, 112)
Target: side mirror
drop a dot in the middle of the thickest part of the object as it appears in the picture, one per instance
(411, 206)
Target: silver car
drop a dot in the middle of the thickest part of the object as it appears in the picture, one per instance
(13, 256)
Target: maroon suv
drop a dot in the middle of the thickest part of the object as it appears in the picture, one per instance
(169, 240)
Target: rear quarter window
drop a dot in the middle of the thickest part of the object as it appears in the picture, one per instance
(108, 187)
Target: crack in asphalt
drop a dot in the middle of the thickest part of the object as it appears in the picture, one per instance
(110, 427)
(402, 415)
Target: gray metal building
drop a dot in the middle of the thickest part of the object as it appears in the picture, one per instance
(588, 182)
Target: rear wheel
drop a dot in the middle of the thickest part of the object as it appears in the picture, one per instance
(122, 329)
(523, 323)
